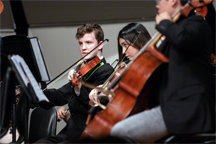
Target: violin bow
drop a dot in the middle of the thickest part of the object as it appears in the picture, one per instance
(61, 74)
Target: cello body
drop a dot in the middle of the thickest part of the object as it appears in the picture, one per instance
(136, 86)
(135, 89)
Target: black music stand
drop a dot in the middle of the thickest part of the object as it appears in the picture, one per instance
(29, 49)
(29, 95)
(6, 101)
(9, 101)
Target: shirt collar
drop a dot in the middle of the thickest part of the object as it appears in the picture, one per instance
(101, 57)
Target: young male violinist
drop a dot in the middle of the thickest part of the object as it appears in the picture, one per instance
(89, 36)
(185, 102)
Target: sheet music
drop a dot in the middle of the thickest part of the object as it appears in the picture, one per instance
(39, 58)
(24, 71)
(22, 74)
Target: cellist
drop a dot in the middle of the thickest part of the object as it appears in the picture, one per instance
(89, 36)
(185, 102)
(131, 38)
(129, 44)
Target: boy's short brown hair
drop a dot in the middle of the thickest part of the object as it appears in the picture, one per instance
(183, 2)
(88, 28)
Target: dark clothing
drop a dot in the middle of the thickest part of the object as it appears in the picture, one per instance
(185, 97)
(1, 46)
(78, 105)
(61, 138)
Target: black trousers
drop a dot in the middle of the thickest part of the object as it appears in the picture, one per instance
(60, 139)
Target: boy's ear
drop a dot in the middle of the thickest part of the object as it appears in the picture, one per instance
(101, 46)
(174, 2)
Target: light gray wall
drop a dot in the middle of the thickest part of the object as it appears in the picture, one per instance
(11, 32)
(60, 48)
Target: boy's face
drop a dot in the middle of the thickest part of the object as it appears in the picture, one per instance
(86, 44)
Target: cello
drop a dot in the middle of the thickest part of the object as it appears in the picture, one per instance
(134, 90)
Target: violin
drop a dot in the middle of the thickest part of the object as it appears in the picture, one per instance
(85, 69)
(119, 71)
(202, 11)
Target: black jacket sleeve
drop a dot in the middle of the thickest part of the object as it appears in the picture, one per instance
(60, 96)
(178, 34)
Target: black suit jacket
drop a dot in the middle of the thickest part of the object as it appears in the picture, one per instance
(78, 105)
(1, 47)
(185, 96)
